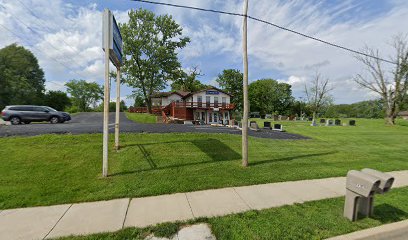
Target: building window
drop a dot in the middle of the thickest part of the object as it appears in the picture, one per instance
(208, 100)
(224, 102)
(216, 117)
(200, 101)
(215, 101)
(210, 117)
(203, 116)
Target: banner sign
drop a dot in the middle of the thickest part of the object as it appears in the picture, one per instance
(112, 39)
(212, 92)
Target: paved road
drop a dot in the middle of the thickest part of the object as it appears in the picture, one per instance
(92, 123)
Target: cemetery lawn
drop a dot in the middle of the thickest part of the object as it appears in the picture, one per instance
(312, 220)
(141, 117)
(56, 169)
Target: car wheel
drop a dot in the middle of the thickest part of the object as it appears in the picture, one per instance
(27, 122)
(15, 120)
(54, 120)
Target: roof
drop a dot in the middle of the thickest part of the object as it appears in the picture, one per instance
(185, 94)
(166, 94)
(206, 89)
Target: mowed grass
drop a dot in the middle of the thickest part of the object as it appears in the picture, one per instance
(312, 220)
(55, 169)
(141, 117)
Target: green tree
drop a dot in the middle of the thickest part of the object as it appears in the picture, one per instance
(112, 107)
(188, 82)
(57, 99)
(84, 94)
(231, 81)
(269, 96)
(21, 78)
(150, 51)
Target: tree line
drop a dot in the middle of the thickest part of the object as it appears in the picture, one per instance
(22, 82)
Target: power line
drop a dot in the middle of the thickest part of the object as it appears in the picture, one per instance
(67, 67)
(48, 28)
(40, 35)
(271, 24)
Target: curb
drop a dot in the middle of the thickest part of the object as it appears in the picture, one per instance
(397, 230)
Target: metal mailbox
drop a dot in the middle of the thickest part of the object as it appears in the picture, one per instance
(386, 180)
(362, 183)
(361, 186)
(360, 190)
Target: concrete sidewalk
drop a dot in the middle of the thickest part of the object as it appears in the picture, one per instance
(113, 215)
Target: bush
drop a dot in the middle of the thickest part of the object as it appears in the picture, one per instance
(72, 109)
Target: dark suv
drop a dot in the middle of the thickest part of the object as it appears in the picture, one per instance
(27, 113)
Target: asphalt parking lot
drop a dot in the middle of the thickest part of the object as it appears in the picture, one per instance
(83, 123)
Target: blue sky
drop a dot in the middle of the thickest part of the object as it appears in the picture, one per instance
(66, 37)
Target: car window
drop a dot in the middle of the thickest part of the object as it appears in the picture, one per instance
(21, 108)
(51, 109)
(39, 109)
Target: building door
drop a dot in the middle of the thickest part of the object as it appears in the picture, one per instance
(216, 117)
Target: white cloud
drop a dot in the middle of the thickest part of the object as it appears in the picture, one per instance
(76, 32)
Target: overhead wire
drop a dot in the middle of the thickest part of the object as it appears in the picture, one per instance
(31, 45)
(271, 24)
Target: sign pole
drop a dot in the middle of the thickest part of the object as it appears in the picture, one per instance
(117, 108)
(245, 88)
(106, 116)
(112, 45)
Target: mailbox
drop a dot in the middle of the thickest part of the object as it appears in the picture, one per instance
(362, 183)
(360, 190)
(386, 180)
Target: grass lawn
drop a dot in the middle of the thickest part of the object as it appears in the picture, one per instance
(142, 117)
(312, 220)
(55, 169)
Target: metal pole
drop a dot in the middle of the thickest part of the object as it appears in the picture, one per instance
(245, 88)
(117, 108)
(106, 110)
(106, 116)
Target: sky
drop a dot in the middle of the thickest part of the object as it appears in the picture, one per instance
(66, 37)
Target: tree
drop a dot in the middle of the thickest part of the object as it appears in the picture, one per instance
(391, 86)
(21, 78)
(57, 99)
(230, 80)
(150, 51)
(84, 94)
(318, 95)
(188, 82)
(269, 96)
(112, 107)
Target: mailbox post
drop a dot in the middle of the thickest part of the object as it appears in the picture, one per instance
(360, 190)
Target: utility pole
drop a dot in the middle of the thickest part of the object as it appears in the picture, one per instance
(117, 108)
(245, 87)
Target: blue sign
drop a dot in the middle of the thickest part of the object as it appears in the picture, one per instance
(112, 39)
(117, 41)
(212, 92)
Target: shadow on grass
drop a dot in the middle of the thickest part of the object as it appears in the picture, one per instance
(287, 159)
(386, 213)
(216, 150)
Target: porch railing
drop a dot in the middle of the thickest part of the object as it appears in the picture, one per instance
(204, 105)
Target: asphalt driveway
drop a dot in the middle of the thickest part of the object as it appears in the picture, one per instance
(92, 123)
